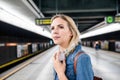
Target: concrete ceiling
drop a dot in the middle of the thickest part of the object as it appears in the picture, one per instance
(86, 13)
(24, 10)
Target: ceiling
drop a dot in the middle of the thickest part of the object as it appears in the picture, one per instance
(109, 36)
(22, 10)
(86, 13)
(10, 33)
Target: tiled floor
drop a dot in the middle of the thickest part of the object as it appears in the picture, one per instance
(106, 64)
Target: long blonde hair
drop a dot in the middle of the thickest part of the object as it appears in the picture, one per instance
(73, 28)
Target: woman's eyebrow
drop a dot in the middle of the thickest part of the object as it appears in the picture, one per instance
(57, 25)
(60, 25)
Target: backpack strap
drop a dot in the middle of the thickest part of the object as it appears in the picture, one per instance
(75, 60)
(75, 64)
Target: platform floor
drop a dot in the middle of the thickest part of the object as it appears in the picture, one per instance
(106, 64)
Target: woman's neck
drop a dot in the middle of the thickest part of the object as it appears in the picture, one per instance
(64, 46)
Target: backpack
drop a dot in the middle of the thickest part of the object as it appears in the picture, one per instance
(75, 63)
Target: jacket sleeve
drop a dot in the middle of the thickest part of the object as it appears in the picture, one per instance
(84, 68)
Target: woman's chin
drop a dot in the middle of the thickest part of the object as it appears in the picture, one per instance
(56, 42)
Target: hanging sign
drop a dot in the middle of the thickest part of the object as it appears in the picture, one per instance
(112, 19)
(43, 21)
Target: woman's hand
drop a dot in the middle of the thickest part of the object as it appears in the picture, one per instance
(59, 66)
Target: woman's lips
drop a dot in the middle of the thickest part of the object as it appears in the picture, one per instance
(56, 37)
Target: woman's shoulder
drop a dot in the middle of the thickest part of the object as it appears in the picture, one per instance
(84, 56)
(84, 60)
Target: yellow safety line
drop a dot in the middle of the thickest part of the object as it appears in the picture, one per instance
(14, 61)
(12, 72)
(7, 75)
(11, 62)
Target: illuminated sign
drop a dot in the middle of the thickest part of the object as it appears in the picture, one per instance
(117, 19)
(112, 19)
(43, 21)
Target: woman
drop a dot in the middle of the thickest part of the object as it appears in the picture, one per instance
(66, 35)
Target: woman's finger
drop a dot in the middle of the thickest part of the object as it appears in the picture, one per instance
(57, 55)
(64, 62)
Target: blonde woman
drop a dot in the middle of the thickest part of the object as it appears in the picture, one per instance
(65, 34)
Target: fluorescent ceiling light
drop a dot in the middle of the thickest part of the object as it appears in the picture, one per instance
(31, 5)
(11, 16)
(106, 29)
(21, 23)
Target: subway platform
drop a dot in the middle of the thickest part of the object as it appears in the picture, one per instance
(106, 64)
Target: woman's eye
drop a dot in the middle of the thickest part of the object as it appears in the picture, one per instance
(52, 28)
(61, 27)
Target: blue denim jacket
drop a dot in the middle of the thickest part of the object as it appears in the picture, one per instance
(83, 69)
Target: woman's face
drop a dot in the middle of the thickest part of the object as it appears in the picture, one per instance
(61, 34)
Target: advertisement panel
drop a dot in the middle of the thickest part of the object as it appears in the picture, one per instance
(34, 47)
(19, 51)
(25, 49)
(22, 50)
(106, 43)
(117, 46)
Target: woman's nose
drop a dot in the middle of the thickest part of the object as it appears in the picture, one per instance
(55, 31)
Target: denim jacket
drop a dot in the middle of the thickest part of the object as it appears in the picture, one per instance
(83, 69)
